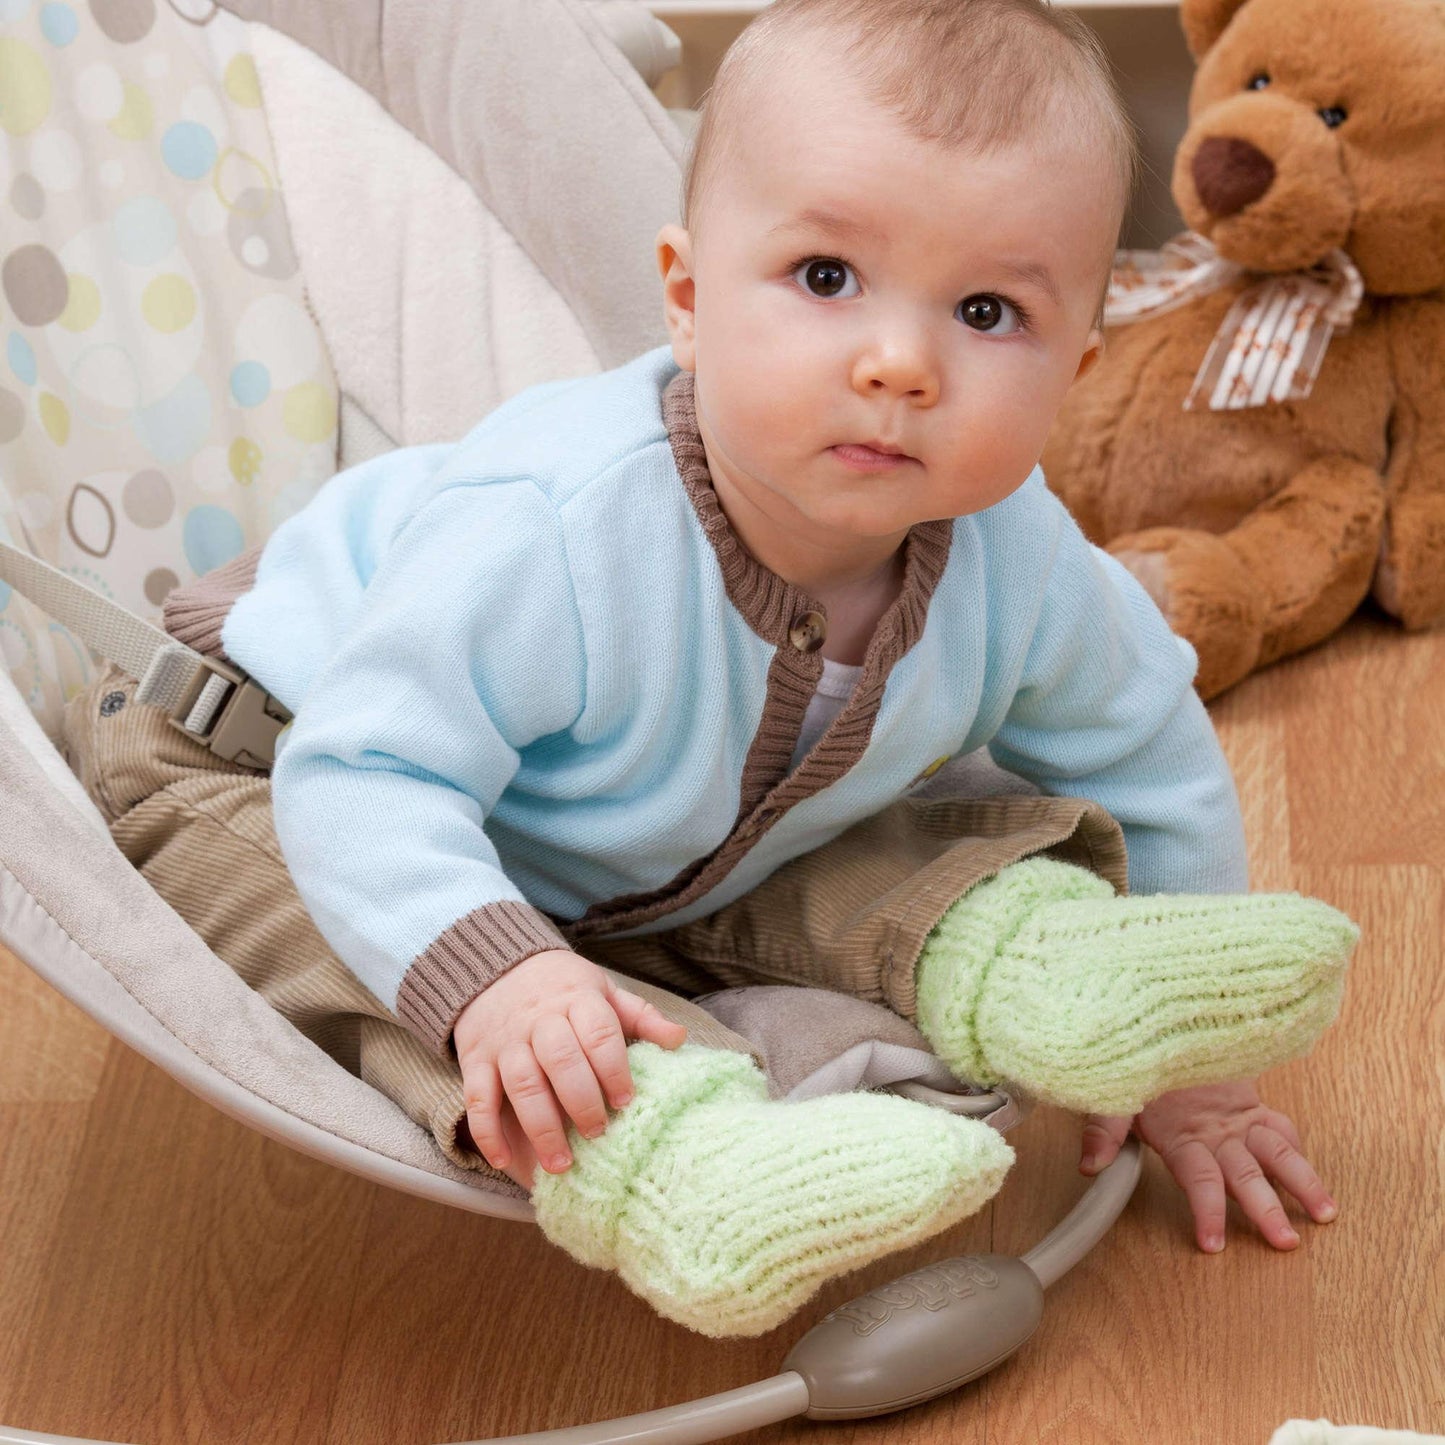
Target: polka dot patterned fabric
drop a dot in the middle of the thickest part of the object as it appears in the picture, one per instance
(165, 396)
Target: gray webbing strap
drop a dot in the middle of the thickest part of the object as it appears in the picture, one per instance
(170, 673)
(127, 640)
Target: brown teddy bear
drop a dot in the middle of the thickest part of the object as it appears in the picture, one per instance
(1259, 502)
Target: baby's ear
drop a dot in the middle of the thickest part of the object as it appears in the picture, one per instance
(1093, 350)
(1204, 22)
(679, 293)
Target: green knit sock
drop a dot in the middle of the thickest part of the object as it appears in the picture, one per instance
(1043, 978)
(727, 1210)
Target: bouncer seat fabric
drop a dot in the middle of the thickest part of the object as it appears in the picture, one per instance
(244, 246)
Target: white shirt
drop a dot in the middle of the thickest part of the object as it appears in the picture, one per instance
(835, 687)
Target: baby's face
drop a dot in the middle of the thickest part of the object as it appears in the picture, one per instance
(856, 287)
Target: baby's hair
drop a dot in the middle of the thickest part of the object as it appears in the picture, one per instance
(968, 73)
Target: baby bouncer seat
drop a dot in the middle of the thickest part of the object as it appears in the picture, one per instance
(246, 244)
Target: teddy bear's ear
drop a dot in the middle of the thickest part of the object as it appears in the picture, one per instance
(1204, 22)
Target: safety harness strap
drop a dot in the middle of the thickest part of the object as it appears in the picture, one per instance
(205, 698)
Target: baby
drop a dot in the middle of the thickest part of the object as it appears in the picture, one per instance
(630, 685)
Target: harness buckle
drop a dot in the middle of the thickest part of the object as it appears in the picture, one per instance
(244, 727)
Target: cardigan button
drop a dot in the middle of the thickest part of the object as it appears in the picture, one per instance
(808, 631)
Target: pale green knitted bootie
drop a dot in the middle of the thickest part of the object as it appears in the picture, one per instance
(727, 1210)
(1041, 977)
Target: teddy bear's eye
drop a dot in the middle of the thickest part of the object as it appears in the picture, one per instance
(1258, 82)
(1333, 115)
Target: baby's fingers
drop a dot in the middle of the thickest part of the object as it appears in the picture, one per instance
(1104, 1134)
(1197, 1173)
(562, 1044)
(483, 1094)
(599, 1031)
(531, 1096)
(1279, 1157)
(1283, 1125)
(1247, 1183)
(643, 1020)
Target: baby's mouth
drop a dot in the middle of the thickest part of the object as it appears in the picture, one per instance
(870, 457)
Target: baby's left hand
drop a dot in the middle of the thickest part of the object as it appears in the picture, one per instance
(1213, 1138)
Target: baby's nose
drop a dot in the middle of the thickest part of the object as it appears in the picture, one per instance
(898, 371)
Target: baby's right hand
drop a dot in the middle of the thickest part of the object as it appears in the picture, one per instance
(552, 1029)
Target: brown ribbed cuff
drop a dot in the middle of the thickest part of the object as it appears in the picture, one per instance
(471, 955)
(194, 614)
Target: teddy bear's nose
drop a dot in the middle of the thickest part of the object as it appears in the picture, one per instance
(1230, 173)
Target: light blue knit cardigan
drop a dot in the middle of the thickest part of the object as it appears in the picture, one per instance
(522, 687)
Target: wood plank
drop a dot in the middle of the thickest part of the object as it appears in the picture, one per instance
(1375, 1091)
(198, 1279)
(1366, 764)
(40, 1149)
(50, 1052)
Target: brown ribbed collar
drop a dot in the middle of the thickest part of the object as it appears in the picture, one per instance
(773, 607)
(769, 603)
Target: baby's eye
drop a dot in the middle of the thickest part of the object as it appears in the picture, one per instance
(985, 312)
(825, 276)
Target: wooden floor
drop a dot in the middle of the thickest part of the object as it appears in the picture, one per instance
(166, 1275)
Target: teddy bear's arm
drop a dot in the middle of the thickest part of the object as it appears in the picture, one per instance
(1286, 577)
(1312, 549)
(1410, 580)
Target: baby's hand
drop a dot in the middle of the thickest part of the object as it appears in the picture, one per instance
(553, 1028)
(1215, 1138)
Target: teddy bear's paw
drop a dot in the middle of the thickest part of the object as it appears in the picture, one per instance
(1151, 572)
(1206, 593)
(1409, 580)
